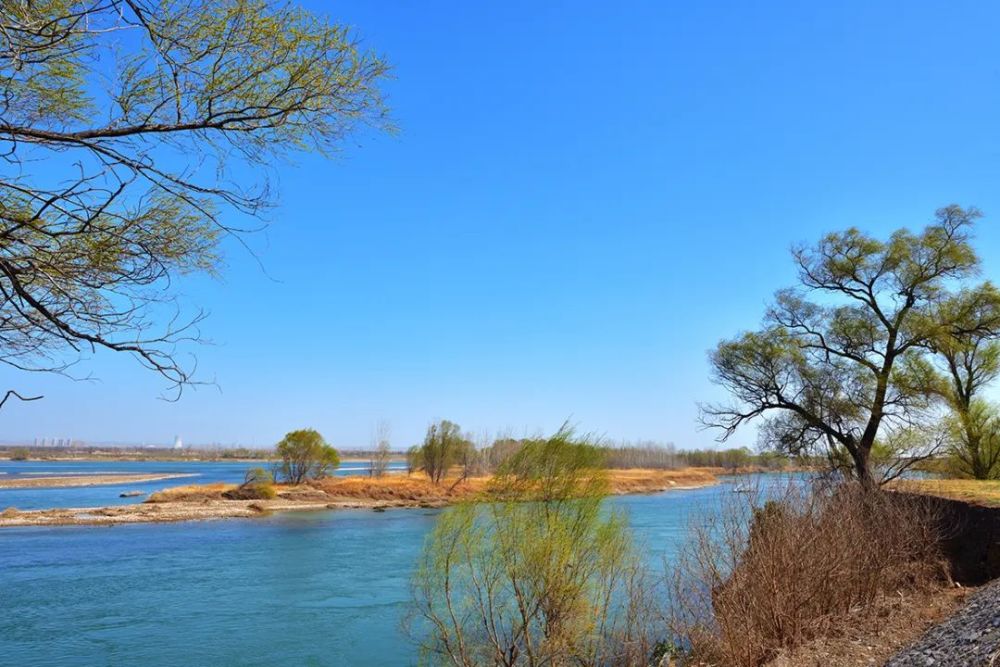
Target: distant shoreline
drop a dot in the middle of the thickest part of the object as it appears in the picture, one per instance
(205, 502)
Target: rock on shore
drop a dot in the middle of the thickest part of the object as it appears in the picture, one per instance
(970, 638)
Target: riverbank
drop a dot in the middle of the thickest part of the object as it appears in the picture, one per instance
(201, 502)
(52, 482)
(985, 493)
(901, 621)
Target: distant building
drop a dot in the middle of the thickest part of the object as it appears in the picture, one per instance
(178, 444)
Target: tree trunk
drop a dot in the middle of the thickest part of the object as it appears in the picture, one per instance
(862, 467)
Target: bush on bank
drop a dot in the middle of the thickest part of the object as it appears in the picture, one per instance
(770, 574)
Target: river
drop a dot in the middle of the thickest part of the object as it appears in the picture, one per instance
(303, 588)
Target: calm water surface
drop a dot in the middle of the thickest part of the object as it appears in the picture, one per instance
(309, 588)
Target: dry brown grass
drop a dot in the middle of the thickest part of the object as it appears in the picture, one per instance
(812, 564)
(900, 621)
(979, 492)
(641, 480)
(191, 493)
(418, 489)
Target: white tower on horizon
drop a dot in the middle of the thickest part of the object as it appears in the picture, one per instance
(178, 444)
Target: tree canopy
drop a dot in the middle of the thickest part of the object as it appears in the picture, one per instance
(840, 364)
(305, 455)
(444, 446)
(969, 359)
(128, 128)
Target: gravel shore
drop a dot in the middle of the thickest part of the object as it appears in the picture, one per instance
(970, 638)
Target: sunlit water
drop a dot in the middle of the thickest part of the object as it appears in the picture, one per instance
(305, 588)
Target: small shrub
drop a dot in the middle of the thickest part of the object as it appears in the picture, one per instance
(253, 492)
(19, 454)
(258, 484)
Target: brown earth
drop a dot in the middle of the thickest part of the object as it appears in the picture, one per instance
(900, 622)
(195, 502)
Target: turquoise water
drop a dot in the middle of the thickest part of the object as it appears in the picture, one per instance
(305, 588)
(203, 472)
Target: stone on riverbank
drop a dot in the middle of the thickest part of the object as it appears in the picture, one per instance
(969, 638)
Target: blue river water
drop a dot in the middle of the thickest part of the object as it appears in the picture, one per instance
(202, 472)
(303, 588)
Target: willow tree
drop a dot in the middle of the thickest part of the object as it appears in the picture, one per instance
(444, 446)
(840, 364)
(128, 129)
(305, 455)
(969, 358)
(539, 575)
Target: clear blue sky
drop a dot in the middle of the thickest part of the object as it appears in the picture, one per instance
(584, 198)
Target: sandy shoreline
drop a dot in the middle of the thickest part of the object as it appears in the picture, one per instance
(199, 503)
(87, 480)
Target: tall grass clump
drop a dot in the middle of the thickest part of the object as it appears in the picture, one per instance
(773, 571)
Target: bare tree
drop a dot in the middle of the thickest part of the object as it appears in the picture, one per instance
(381, 452)
(126, 128)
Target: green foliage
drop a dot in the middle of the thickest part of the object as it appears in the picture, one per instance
(444, 446)
(258, 484)
(540, 576)
(552, 470)
(968, 356)
(130, 128)
(305, 455)
(974, 439)
(20, 454)
(840, 362)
